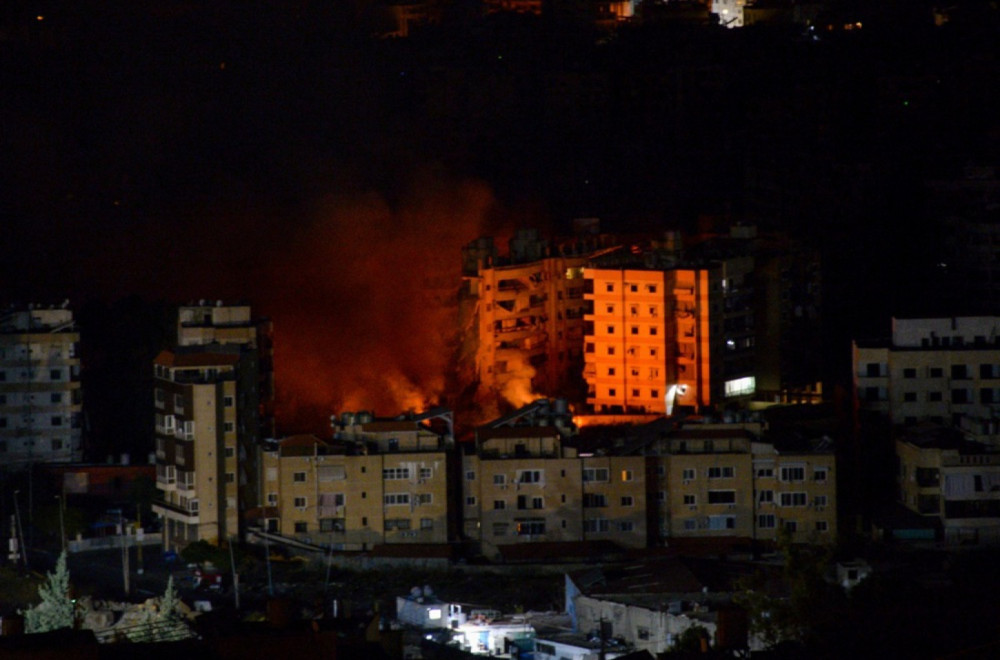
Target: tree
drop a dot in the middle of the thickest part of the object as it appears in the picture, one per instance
(169, 603)
(57, 609)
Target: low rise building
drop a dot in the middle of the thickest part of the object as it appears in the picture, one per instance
(955, 481)
(524, 482)
(378, 481)
(938, 370)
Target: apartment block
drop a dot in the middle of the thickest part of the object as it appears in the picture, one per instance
(952, 480)
(40, 393)
(939, 370)
(207, 395)
(525, 482)
(527, 312)
(378, 481)
(648, 343)
(729, 481)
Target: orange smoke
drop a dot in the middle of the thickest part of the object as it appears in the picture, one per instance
(364, 307)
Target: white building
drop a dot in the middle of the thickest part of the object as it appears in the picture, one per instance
(941, 370)
(40, 394)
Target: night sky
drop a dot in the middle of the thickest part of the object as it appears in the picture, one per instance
(274, 152)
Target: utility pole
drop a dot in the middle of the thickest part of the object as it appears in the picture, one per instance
(236, 576)
(62, 519)
(139, 536)
(22, 549)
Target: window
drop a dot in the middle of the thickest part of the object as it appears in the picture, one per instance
(722, 497)
(791, 526)
(230, 477)
(653, 330)
(426, 523)
(909, 396)
(470, 476)
(499, 479)
(530, 527)
(690, 500)
(793, 473)
(690, 524)
(228, 427)
(612, 392)
(596, 525)
(272, 499)
(820, 500)
(721, 522)
(822, 526)
(611, 371)
(396, 523)
(594, 500)
(299, 477)
(819, 474)
(301, 527)
(55, 397)
(635, 329)
(499, 505)
(526, 502)
(909, 372)
(396, 499)
(500, 529)
(227, 401)
(688, 474)
(470, 500)
(595, 474)
(651, 288)
(229, 452)
(424, 498)
(934, 396)
(720, 472)
(793, 499)
(766, 496)
(655, 394)
(611, 329)
(959, 372)
(396, 474)
(627, 475)
(530, 476)
(57, 420)
(627, 500)
(55, 374)
(765, 472)
(611, 350)
(332, 525)
(609, 287)
(271, 474)
(936, 372)
(766, 521)
(300, 502)
(960, 396)
(610, 309)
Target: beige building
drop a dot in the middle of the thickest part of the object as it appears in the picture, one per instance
(939, 370)
(525, 482)
(719, 481)
(40, 394)
(209, 391)
(377, 482)
(952, 480)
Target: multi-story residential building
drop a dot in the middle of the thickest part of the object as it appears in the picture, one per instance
(378, 481)
(524, 482)
(648, 343)
(724, 481)
(953, 480)
(207, 394)
(40, 394)
(941, 370)
(527, 310)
